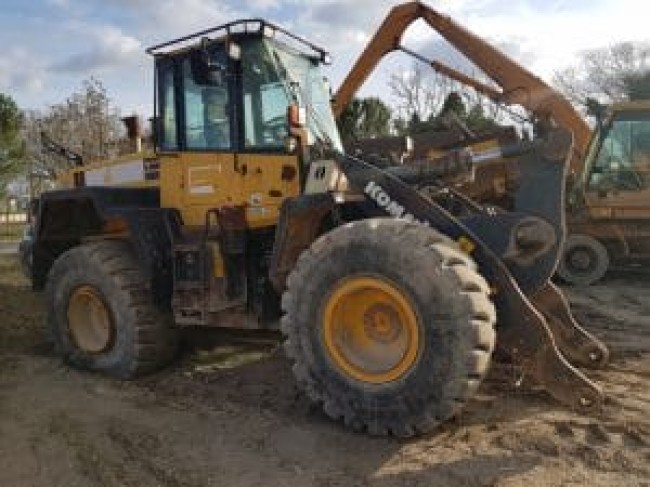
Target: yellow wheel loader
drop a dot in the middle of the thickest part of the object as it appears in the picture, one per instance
(391, 303)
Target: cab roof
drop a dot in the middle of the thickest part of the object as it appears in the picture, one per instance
(236, 30)
(630, 106)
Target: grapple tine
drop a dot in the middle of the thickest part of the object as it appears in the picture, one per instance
(525, 335)
(563, 381)
(576, 344)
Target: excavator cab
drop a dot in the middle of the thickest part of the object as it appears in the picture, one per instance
(619, 156)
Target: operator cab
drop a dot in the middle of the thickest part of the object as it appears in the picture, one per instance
(240, 109)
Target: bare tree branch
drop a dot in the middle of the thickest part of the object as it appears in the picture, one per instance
(603, 74)
(86, 122)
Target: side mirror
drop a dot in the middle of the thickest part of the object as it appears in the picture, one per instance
(297, 116)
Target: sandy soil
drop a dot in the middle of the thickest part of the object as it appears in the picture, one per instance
(232, 417)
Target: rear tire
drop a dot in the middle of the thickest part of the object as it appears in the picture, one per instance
(100, 312)
(584, 261)
(455, 322)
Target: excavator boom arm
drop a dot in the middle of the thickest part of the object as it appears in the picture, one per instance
(518, 86)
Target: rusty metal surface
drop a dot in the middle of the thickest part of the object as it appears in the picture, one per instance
(526, 336)
(578, 345)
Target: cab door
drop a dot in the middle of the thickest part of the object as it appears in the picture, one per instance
(269, 174)
(198, 163)
(269, 179)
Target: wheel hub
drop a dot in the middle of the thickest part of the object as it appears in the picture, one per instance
(581, 260)
(370, 330)
(90, 321)
(381, 323)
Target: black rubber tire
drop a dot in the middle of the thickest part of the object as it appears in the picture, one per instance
(456, 321)
(145, 339)
(597, 267)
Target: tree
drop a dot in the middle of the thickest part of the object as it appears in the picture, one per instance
(86, 122)
(637, 86)
(476, 119)
(453, 103)
(364, 118)
(466, 108)
(400, 126)
(418, 92)
(426, 102)
(416, 125)
(12, 148)
(610, 74)
(376, 120)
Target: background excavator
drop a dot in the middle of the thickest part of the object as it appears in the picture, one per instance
(609, 196)
(391, 298)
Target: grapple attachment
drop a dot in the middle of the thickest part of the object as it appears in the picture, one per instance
(517, 250)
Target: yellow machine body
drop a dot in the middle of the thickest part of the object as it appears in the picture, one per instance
(197, 182)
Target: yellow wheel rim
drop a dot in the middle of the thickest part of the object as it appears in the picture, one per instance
(370, 330)
(89, 320)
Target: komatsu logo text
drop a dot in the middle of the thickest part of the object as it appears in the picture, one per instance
(391, 207)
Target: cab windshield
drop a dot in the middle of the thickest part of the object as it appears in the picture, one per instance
(619, 157)
(288, 77)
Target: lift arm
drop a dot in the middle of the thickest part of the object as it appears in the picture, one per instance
(517, 86)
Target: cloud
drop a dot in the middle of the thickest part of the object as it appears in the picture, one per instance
(20, 72)
(110, 49)
(264, 5)
(108, 36)
(59, 3)
(171, 18)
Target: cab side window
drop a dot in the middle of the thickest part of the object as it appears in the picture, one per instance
(207, 103)
(167, 96)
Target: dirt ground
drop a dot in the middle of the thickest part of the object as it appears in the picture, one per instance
(232, 417)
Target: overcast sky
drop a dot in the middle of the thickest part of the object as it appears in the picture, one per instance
(50, 46)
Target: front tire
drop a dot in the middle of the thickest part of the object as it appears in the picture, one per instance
(100, 312)
(389, 326)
